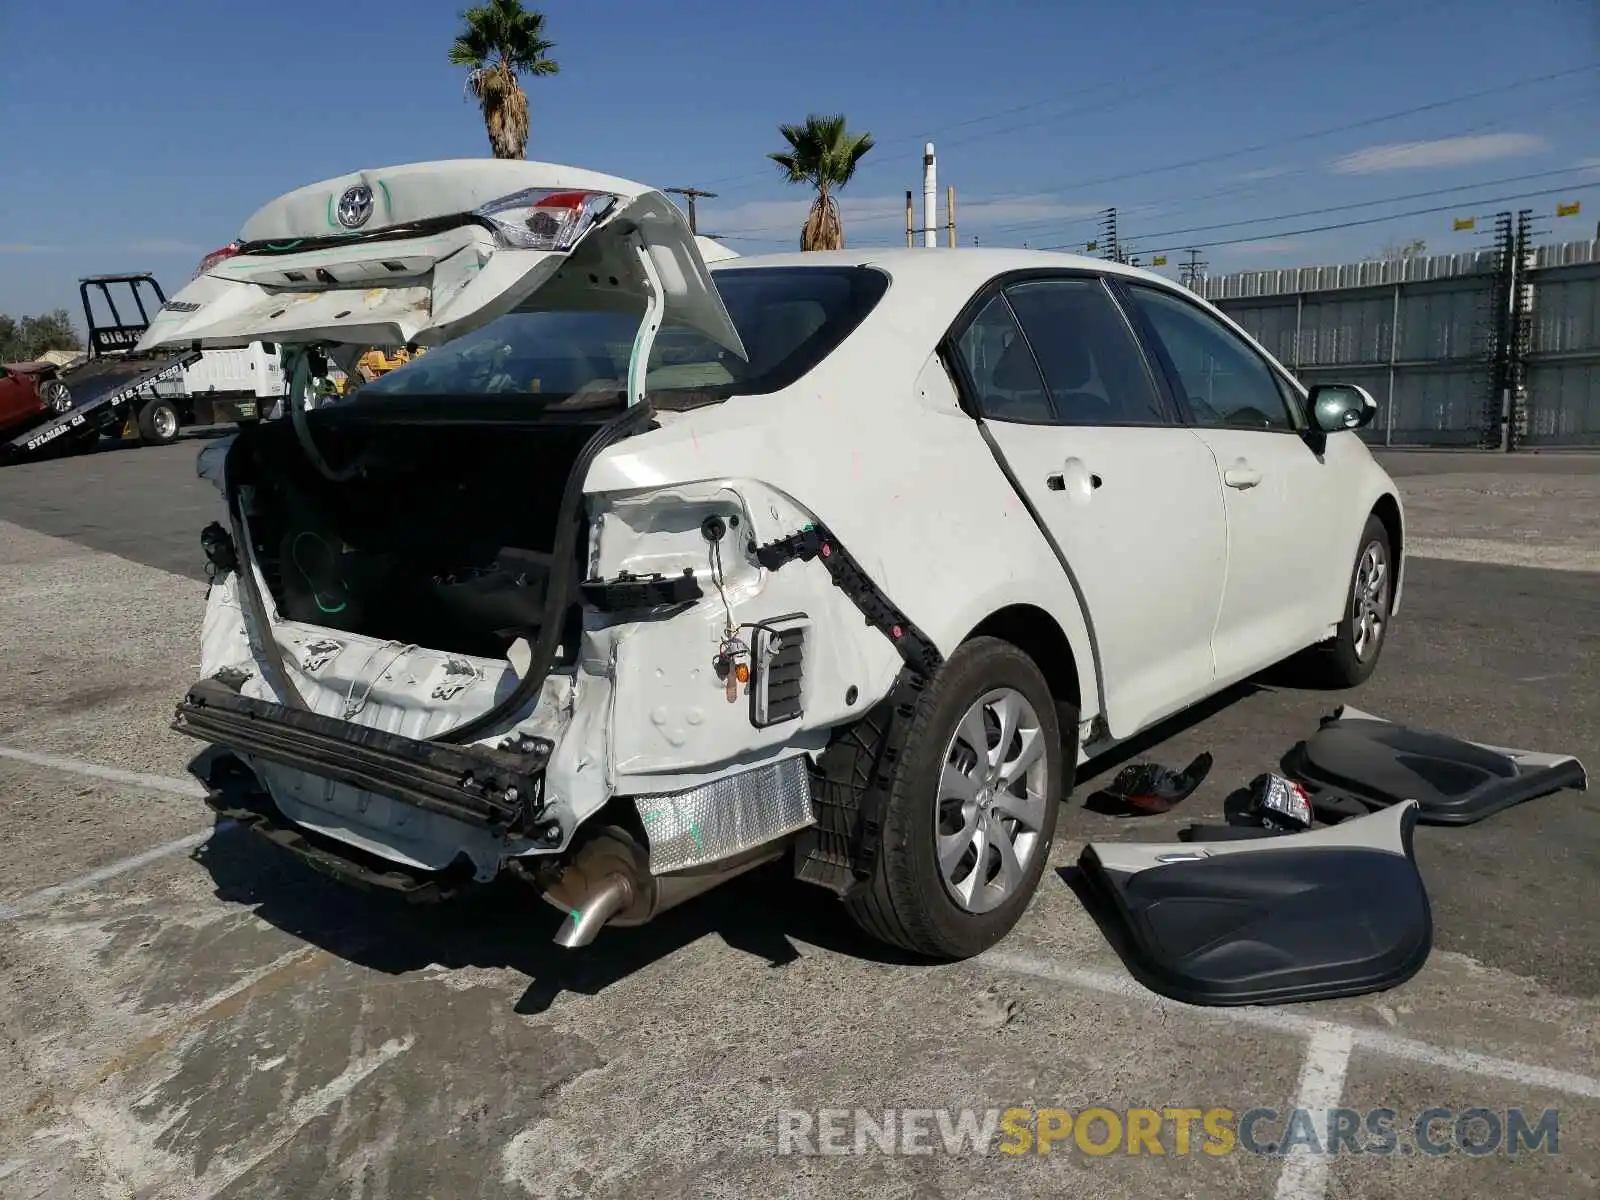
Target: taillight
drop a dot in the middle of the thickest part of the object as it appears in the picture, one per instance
(215, 257)
(546, 218)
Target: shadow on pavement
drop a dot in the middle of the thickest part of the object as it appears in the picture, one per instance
(505, 924)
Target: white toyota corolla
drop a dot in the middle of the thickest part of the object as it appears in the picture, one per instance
(646, 574)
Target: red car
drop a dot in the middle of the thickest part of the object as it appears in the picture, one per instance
(30, 392)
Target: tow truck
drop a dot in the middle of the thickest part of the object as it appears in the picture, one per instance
(118, 389)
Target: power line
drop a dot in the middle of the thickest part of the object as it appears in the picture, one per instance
(1333, 208)
(1269, 182)
(1364, 123)
(1329, 131)
(1297, 26)
(1415, 212)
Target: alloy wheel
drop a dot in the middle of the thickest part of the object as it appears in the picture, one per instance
(1369, 600)
(992, 796)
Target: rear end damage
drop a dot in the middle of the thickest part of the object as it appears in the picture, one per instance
(413, 716)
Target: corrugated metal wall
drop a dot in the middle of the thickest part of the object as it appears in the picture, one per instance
(1415, 334)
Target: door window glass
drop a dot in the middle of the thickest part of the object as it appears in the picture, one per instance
(1002, 367)
(1225, 381)
(1094, 368)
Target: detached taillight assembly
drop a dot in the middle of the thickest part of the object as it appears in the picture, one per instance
(546, 218)
(215, 257)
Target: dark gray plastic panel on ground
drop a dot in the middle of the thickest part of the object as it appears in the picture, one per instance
(1375, 763)
(1309, 916)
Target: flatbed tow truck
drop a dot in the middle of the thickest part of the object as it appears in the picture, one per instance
(117, 388)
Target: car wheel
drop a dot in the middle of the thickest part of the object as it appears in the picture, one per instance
(57, 396)
(972, 808)
(158, 423)
(1352, 656)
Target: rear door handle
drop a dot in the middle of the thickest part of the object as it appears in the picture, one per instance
(1241, 475)
(1058, 481)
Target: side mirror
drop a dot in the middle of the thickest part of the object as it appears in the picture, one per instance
(1337, 407)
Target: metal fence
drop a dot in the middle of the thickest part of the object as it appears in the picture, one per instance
(1418, 334)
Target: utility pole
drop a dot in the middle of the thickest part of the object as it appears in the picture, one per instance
(691, 194)
(1111, 249)
(1193, 271)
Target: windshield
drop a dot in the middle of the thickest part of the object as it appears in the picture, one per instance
(789, 318)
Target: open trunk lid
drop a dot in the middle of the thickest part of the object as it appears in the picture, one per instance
(423, 253)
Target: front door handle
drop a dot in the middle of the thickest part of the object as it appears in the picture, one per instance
(1241, 475)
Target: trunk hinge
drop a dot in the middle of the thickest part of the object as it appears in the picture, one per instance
(645, 339)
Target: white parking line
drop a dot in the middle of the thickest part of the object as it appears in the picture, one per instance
(77, 766)
(1305, 1173)
(37, 901)
(44, 897)
(1296, 1025)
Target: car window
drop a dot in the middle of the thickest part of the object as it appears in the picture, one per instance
(1002, 367)
(1091, 363)
(1225, 381)
(789, 319)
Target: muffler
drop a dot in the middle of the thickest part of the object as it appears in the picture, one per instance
(607, 881)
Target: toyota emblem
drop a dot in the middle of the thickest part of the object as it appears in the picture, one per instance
(355, 206)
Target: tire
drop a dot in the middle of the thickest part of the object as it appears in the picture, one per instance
(1352, 656)
(159, 423)
(909, 902)
(57, 397)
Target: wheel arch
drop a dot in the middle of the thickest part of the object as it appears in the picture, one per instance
(1040, 636)
(1388, 511)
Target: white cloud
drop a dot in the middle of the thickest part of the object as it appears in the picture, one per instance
(780, 220)
(1266, 173)
(1441, 152)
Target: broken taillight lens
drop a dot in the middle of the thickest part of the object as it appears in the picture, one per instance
(545, 218)
(215, 257)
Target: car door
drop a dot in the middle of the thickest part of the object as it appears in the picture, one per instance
(1279, 493)
(1129, 498)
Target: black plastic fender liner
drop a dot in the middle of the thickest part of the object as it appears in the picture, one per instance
(1365, 762)
(1334, 912)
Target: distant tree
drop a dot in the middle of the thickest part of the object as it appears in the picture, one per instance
(26, 339)
(500, 39)
(823, 153)
(1403, 250)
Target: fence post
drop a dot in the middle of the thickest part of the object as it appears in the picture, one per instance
(1394, 353)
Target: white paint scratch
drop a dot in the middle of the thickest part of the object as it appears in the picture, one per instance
(1305, 1169)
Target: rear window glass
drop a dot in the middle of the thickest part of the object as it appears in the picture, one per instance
(789, 319)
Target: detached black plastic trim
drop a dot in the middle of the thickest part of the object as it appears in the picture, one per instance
(1283, 924)
(1357, 765)
(915, 647)
(501, 790)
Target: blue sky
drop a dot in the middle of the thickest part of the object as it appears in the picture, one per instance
(139, 136)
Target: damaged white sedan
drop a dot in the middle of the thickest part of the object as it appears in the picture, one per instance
(646, 574)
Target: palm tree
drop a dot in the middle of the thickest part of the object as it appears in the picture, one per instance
(825, 154)
(500, 39)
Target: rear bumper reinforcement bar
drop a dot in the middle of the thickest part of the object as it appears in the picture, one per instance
(502, 790)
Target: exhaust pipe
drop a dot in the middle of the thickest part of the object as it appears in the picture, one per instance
(583, 925)
(607, 881)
